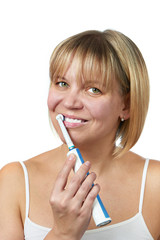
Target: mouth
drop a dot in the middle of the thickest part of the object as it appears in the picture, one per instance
(72, 121)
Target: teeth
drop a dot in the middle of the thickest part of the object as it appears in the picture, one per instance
(73, 120)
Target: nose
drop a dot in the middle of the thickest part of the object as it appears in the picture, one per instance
(73, 100)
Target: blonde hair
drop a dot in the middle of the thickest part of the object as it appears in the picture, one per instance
(109, 54)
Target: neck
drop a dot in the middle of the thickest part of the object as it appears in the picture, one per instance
(100, 156)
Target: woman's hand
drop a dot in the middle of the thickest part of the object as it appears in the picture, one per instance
(72, 202)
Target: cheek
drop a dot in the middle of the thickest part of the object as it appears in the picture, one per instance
(50, 102)
(53, 100)
(105, 112)
(100, 110)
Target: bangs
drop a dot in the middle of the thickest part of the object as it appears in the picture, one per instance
(93, 56)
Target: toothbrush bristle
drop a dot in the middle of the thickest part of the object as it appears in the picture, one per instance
(60, 116)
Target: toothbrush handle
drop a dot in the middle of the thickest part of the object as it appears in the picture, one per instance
(99, 212)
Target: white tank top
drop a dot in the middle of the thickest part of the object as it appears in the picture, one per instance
(132, 229)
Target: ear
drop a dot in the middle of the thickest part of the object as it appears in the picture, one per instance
(125, 113)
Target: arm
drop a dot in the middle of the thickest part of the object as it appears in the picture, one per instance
(151, 205)
(11, 183)
(72, 202)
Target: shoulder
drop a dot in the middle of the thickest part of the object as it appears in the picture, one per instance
(153, 182)
(151, 206)
(11, 195)
(11, 174)
(136, 163)
(11, 182)
(153, 171)
(151, 201)
(153, 186)
(153, 175)
(137, 160)
(154, 165)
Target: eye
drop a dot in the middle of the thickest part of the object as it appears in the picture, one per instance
(62, 84)
(94, 90)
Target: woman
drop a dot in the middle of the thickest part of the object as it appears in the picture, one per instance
(99, 83)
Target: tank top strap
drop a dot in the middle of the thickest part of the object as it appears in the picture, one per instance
(26, 187)
(143, 184)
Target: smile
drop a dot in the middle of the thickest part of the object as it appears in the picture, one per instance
(73, 120)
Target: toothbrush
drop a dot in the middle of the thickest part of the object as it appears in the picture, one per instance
(99, 212)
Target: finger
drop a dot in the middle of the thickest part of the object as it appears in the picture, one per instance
(84, 189)
(62, 177)
(88, 203)
(78, 178)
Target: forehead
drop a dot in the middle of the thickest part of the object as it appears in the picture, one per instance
(87, 70)
(79, 72)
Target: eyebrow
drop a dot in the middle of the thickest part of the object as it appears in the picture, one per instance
(86, 82)
(94, 82)
(63, 78)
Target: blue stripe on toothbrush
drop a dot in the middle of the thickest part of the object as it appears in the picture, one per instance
(80, 156)
(98, 197)
(72, 147)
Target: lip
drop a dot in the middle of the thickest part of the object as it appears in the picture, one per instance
(74, 117)
(74, 124)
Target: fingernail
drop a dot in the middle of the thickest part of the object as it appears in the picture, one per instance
(71, 157)
(87, 163)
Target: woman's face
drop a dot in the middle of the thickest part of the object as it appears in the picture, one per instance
(92, 114)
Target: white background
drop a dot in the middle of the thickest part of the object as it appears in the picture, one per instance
(29, 31)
